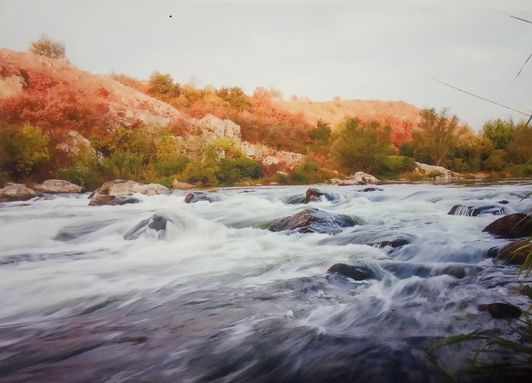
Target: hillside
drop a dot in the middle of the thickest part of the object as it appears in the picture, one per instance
(42, 89)
(400, 115)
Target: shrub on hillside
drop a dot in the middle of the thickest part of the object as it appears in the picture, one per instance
(47, 47)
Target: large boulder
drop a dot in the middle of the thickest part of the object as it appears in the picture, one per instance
(515, 253)
(178, 185)
(17, 192)
(438, 173)
(119, 192)
(473, 211)
(128, 187)
(315, 195)
(511, 226)
(314, 221)
(359, 178)
(58, 186)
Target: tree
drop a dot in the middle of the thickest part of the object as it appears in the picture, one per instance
(47, 47)
(435, 137)
(498, 132)
(25, 148)
(162, 86)
(359, 145)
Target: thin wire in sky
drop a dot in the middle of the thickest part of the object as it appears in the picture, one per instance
(480, 97)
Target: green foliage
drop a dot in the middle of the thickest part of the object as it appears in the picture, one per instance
(520, 145)
(498, 132)
(23, 149)
(392, 166)
(306, 173)
(359, 146)
(235, 97)
(47, 47)
(162, 86)
(321, 134)
(232, 171)
(435, 137)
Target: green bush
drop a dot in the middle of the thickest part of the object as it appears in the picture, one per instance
(167, 168)
(392, 166)
(232, 171)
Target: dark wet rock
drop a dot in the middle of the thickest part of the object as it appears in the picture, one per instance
(456, 271)
(366, 190)
(511, 226)
(501, 310)
(315, 195)
(17, 192)
(194, 197)
(104, 199)
(473, 211)
(314, 221)
(358, 273)
(503, 202)
(58, 186)
(394, 243)
(404, 270)
(157, 223)
(515, 253)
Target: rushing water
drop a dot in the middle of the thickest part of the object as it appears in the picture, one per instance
(218, 297)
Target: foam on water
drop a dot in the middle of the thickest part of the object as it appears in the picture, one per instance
(218, 277)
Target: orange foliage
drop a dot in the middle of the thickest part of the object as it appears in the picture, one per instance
(54, 106)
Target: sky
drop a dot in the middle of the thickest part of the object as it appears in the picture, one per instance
(320, 49)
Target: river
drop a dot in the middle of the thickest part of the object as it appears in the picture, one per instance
(219, 298)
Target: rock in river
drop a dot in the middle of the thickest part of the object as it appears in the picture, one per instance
(194, 197)
(501, 310)
(511, 226)
(314, 221)
(315, 195)
(17, 192)
(58, 186)
(357, 273)
(157, 223)
(516, 252)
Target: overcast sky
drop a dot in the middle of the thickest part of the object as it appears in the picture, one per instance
(366, 49)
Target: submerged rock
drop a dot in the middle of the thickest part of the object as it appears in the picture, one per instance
(194, 197)
(315, 195)
(17, 192)
(357, 273)
(511, 226)
(473, 211)
(156, 222)
(374, 238)
(366, 190)
(58, 186)
(501, 310)
(314, 221)
(295, 200)
(515, 253)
